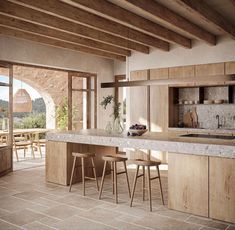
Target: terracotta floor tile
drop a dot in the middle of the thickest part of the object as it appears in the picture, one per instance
(37, 226)
(7, 226)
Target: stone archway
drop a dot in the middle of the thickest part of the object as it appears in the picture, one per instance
(51, 84)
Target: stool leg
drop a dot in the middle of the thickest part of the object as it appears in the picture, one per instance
(127, 179)
(112, 174)
(115, 182)
(83, 175)
(94, 172)
(160, 183)
(71, 178)
(149, 188)
(134, 185)
(143, 185)
(102, 180)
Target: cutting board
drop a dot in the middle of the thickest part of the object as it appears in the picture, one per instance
(194, 117)
(187, 119)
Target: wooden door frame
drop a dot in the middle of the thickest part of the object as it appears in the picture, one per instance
(88, 90)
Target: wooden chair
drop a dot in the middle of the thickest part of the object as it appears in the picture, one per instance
(22, 142)
(147, 164)
(83, 156)
(38, 143)
(113, 160)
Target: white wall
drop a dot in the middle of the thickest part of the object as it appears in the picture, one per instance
(200, 53)
(22, 51)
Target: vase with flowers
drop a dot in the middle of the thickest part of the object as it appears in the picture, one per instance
(116, 125)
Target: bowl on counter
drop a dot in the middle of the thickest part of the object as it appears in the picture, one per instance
(208, 102)
(218, 101)
(137, 132)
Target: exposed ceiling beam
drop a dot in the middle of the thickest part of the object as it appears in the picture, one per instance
(44, 31)
(77, 15)
(164, 14)
(233, 2)
(201, 8)
(33, 16)
(4, 30)
(121, 15)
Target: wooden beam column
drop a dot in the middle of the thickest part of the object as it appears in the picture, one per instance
(70, 101)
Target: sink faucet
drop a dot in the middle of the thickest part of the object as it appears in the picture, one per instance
(218, 123)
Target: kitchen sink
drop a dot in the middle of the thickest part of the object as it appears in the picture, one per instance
(209, 136)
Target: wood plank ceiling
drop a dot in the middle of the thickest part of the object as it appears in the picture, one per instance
(114, 28)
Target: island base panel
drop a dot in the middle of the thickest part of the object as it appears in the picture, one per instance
(222, 188)
(59, 160)
(188, 183)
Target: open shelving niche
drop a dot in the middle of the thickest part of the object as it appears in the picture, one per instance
(199, 94)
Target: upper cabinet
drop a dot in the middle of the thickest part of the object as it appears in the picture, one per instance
(210, 69)
(230, 67)
(181, 72)
(159, 74)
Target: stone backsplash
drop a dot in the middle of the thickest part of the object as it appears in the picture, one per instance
(207, 115)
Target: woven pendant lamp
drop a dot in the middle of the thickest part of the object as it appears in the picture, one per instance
(22, 102)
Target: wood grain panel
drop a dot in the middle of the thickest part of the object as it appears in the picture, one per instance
(188, 183)
(138, 99)
(210, 69)
(230, 67)
(5, 160)
(56, 162)
(162, 73)
(222, 189)
(159, 115)
(181, 72)
(59, 160)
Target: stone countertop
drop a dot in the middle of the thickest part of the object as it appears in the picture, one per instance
(171, 142)
(198, 130)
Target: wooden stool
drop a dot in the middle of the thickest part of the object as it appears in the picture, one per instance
(113, 162)
(147, 164)
(83, 156)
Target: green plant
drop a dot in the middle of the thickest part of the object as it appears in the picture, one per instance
(106, 101)
(32, 121)
(62, 114)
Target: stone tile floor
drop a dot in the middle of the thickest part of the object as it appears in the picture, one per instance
(28, 202)
(28, 161)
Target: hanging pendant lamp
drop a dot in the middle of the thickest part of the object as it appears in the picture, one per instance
(22, 102)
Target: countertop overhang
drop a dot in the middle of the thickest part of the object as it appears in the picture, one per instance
(152, 140)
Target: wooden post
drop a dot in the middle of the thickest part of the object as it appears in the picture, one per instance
(70, 101)
(95, 101)
(88, 99)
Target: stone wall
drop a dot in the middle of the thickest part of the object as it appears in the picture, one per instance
(52, 85)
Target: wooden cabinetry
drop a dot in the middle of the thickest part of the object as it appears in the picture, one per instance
(5, 160)
(181, 72)
(158, 74)
(188, 183)
(59, 160)
(139, 99)
(210, 69)
(230, 67)
(222, 188)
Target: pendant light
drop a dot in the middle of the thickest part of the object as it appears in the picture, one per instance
(22, 102)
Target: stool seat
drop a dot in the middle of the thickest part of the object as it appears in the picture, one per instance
(146, 164)
(114, 158)
(141, 162)
(85, 155)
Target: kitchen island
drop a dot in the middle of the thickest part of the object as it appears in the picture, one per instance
(201, 171)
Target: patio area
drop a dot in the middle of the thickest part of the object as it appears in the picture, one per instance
(28, 202)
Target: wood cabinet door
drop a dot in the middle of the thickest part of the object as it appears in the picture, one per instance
(5, 160)
(188, 183)
(210, 69)
(181, 72)
(138, 100)
(230, 67)
(222, 189)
